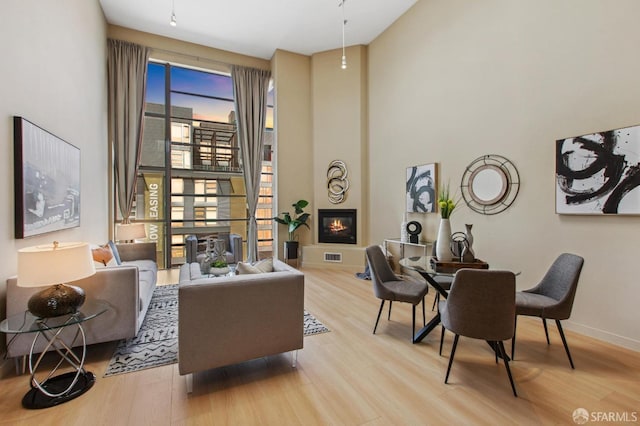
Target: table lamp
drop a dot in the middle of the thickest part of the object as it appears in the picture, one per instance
(53, 265)
(129, 232)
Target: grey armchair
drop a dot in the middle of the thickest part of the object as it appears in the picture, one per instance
(480, 305)
(553, 297)
(388, 286)
(233, 245)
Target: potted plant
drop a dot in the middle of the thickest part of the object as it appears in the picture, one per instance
(219, 267)
(293, 223)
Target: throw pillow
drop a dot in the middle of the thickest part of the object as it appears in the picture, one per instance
(260, 267)
(114, 250)
(103, 256)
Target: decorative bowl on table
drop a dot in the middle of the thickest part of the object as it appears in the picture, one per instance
(219, 271)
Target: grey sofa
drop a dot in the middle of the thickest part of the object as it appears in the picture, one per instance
(126, 288)
(226, 320)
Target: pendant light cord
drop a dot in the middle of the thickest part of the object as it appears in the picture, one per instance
(344, 24)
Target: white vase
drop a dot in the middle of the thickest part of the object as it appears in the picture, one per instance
(404, 235)
(443, 244)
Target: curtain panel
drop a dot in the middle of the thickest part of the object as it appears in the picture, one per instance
(127, 80)
(250, 87)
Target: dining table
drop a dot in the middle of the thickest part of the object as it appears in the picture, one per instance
(426, 266)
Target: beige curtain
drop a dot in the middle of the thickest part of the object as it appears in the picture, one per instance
(250, 88)
(127, 81)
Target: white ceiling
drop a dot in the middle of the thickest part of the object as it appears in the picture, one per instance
(259, 27)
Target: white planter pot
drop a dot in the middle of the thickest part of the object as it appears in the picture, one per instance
(443, 244)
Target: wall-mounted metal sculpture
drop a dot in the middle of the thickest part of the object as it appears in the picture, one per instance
(490, 184)
(337, 182)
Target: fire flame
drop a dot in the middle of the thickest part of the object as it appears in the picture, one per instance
(336, 226)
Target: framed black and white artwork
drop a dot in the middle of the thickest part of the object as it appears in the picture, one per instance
(47, 181)
(421, 188)
(599, 173)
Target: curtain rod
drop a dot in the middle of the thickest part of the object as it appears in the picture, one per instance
(193, 57)
(226, 65)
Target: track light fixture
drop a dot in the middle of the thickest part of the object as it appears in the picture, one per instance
(173, 21)
(344, 24)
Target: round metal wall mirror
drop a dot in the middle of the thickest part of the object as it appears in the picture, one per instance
(490, 184)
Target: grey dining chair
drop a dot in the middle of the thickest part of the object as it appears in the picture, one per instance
(481, 305)
(553, 297)
(388, 286)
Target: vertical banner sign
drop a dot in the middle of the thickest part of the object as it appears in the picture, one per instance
(154, 210)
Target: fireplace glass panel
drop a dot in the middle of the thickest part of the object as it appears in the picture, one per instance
(338, 226)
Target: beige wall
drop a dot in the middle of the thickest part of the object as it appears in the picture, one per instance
(340, 111)
(184, 53)
(293, 154)
(53, 73)
(452, 80)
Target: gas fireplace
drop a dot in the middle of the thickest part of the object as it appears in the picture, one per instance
(337, 226)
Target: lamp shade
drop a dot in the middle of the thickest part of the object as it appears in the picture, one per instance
(130, 231)
(54, 264)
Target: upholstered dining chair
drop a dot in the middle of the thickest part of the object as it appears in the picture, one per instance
(553, 297)
(388, 286)
(481, 305)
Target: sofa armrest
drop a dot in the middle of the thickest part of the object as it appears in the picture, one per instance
(137, 251)
(118, 286)
(238, 318)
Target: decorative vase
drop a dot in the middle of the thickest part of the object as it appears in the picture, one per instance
(468, 255)
(469, 234)
(404, 235)
(443, 244)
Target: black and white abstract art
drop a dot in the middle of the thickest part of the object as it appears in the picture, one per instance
(421, 188)
(599, 173)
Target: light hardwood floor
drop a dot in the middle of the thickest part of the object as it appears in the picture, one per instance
(351, 377)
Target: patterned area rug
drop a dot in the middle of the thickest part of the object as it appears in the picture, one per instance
(157, 341)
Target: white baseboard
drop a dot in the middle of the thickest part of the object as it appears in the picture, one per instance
(605, 336)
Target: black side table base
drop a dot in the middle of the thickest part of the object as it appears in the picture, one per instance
(35, 399)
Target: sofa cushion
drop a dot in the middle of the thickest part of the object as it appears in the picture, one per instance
(143, 265)
(260, 267)
(147, 281)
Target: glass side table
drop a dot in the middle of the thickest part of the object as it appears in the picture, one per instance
(53, 390)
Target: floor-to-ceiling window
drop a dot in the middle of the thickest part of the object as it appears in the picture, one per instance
(190, 180)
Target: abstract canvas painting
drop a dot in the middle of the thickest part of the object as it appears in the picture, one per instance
(421, 188)
(599, 173)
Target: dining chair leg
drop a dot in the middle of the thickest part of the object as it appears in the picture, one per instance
(378, 319)
(453, 352)
(495, 350)
(413, 322)
(389, 315)
(424, 316)
(506, 365)
(441, 340)
(564, 342)
(546, 330)
(513, 339)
